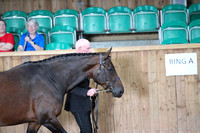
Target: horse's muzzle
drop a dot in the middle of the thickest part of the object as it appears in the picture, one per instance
(117, 92)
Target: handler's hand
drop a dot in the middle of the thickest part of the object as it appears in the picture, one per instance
(91, 92)
(27, 39)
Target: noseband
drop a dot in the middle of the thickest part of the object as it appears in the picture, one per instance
(109, 87)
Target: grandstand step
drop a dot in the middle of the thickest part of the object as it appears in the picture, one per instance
(122, 37)
(108, 44)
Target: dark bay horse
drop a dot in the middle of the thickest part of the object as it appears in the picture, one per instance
(33, 92)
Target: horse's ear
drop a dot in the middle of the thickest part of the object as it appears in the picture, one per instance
(108, 53)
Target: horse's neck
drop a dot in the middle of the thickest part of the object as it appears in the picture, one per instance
(69, 72)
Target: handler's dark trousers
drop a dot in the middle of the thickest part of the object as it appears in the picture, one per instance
(84, 121)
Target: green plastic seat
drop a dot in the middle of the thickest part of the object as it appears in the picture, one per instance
(194, 31)
(43, 31)
(145, 19)
(93, 20)
(15, 19)
(57, 46)
(44, 18)
(119, 19)
(65, 34)
(174, 12)
(174, 32)
(194, 12)
(66, 17)
(16, 33)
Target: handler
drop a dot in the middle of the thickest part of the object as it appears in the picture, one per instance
(78, 99)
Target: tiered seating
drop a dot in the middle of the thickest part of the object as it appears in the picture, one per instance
(174, 32)
(60, 29)
(66, 17)
(194, 12)
(145, 19)
(93, 20)
(174, 12)
(119, 19)
(15, 19)
(43, 31)
(174, 20)
(65, 34)
(194, 30)
(57, 46)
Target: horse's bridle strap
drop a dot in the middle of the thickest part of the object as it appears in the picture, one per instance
(113, 82)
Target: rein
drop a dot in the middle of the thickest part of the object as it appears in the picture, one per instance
(108, 88)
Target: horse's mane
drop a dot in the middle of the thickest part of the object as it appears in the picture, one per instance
(61, 56)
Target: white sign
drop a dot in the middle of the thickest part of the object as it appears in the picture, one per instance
(181, 64)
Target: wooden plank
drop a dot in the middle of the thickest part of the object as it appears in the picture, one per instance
(8, 5)
(136, 62)
(181, 104)
(153, 91)
(26, 59)
(48, 4)
(1, 64)
(171, 98)
(144, 93)
(35, 58)
(35, 5)
(100, 50)
(7, 63)
(197, 92)
(118, 103)
(16, 61)
(2, 9)
(163, 91)
(42, 5)
(129, 81)
(28, 6)
(191, 86)
(54, 5)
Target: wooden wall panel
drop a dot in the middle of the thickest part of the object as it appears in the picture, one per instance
(54, 5)
(152, 102)
(190, 2)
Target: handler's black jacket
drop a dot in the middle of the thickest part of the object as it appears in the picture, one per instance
(77, 99)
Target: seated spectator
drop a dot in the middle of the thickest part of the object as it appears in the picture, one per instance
(31, 40)
(7, 41)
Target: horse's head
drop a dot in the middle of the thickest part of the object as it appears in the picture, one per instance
(106, 75)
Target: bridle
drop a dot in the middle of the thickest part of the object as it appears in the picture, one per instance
(109, 87)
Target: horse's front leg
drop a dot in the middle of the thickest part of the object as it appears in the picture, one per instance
(33, 127)
(51, 128)
(54, 125)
